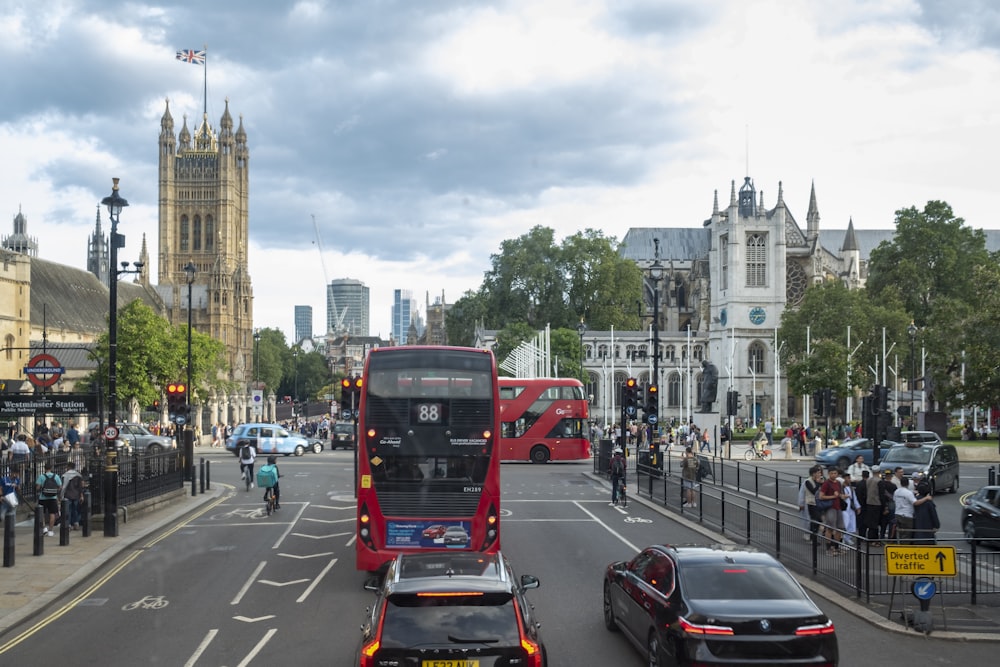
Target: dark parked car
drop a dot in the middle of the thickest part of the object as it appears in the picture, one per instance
(937, 463)
(981, 514)
(715, 605)
(451, 609)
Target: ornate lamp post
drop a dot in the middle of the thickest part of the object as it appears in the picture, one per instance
(656, 274)
(256, 369)
(295, 398)
(581, 329)
(189, 271)
(115, 204)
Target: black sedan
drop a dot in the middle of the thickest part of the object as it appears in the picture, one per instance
(981, 514)
(719, 604)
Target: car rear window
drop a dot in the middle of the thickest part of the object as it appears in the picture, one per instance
(727, 581)
(411, 620)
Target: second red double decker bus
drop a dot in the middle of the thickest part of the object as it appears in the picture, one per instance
(544, 419)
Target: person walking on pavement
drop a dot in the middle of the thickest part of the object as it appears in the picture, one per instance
(10, 483)
(689, 475)
(72, 490)
(48, 486)
(617, 468)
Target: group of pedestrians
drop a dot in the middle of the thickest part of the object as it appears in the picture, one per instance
(860, 502)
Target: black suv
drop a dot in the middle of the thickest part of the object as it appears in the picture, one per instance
(343, 435)
(451, 609)
(937, 463)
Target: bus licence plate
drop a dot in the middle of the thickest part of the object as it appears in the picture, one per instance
(450, 663)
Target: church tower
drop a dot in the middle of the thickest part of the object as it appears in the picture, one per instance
(204, 220)
(97, 252)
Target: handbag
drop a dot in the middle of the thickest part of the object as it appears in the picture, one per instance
(11, 499)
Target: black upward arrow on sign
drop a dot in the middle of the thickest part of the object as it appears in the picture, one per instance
(941, 558)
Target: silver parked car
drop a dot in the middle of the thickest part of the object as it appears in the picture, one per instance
(137, 439)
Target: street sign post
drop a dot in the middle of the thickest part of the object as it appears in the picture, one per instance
(913, 560)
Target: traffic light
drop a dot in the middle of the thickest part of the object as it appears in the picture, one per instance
(818, 398)
(177, 402)
(631, 402)
(346, 387)
(732, 400)
(883, 398)
(831, 402)
(652, 403)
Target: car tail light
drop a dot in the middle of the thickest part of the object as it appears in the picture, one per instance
(695, 629)
(819, 629)
(371, 647)
(531, 648)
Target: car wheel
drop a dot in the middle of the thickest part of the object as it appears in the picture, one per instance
(609, 613)
(652, 650)
(300, 450)
(154, 449)
(317, 447)
(539, 454)
(954, 486)
(970, 530)
(843, 462)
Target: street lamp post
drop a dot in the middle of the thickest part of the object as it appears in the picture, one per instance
(115, 204)
(256, 376)
(912, 331)
(189, 271)
(295, 361)
(656, 274)
(581, 329)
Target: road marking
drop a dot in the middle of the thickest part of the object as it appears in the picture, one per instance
(322, 537)
(327, 553)
(637, 519)
(256, 649)
(316, 581)
(201, 648)
(247, 584)
(328, 520)
(252, 620)
(608, 528)
(281, 584)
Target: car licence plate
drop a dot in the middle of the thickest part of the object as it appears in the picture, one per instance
(450, 663)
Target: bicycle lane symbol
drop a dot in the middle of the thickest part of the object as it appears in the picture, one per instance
(148, 602)
(240, 513)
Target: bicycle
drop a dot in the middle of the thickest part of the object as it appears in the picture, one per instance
(752, 453)
(622, 497)
(269, 500)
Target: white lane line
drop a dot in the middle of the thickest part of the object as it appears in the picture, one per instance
(608, 528)
(316, 581)
(256, 649)
(201, 648)
(298, 516)
(249, 582)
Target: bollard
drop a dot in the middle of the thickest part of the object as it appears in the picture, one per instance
(194, 480)
(201, 476)
(992, 476)
(8, 539)
(208, 474)
(39, 543)
(64, 523)
(85, 514)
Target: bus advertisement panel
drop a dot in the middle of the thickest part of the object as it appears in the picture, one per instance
(428, 454)
(543, 419)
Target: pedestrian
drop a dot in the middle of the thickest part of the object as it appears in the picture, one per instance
(807, 501)
(925, 516)
(887, 521)
(830, 502)
(72, 435)
(689, 477)
(906, 503)
(617, 468)
(800, 438)
(705, 442)
(858, 467)
(871, 509)
(769, 432)
(48, 485)
(10, 487)
(72, 491)
(849, 514)
(19, 450)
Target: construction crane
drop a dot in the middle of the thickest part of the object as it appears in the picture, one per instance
(338, 324)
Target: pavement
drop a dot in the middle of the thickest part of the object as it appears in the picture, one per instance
(36, 582)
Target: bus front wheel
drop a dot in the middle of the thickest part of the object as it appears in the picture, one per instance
(539, 454)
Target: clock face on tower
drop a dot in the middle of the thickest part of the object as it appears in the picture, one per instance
(758, 315)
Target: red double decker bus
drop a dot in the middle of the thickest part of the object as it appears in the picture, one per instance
(428, 453)
(543, 419)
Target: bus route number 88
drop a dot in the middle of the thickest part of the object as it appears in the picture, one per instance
(428, 413)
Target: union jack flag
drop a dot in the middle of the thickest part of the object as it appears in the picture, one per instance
(192, 56)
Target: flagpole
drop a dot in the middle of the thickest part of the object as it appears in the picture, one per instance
(205, 85)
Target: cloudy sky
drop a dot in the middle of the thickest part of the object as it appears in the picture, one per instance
(420, 134)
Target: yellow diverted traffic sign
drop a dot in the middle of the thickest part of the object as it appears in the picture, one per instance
(920, 560)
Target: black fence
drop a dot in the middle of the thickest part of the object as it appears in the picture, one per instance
(140, 476)
(728, 501)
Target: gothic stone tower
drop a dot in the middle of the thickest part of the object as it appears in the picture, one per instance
(204, 219)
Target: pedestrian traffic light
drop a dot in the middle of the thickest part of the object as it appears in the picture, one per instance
(631, 402)
(177, 402)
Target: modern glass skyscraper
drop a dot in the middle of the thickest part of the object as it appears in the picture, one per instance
(403, 308)
(347, 307)
(303, 323)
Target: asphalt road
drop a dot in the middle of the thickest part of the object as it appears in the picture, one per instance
(232, 587)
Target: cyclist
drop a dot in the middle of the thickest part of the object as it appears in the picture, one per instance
(272, 463)
(247, 457)
(616, 468)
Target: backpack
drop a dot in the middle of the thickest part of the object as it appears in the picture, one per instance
(74, 488)
(245, 452)
(617, 466)
(50, 487)
(267, 476)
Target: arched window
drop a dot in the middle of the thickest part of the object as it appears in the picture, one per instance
(757, 260)
(698, 353)
(755, 357)
(209, 234)
(674, 390)
(9, 347)
(185, 232)
(196, 233)
(669, 353)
